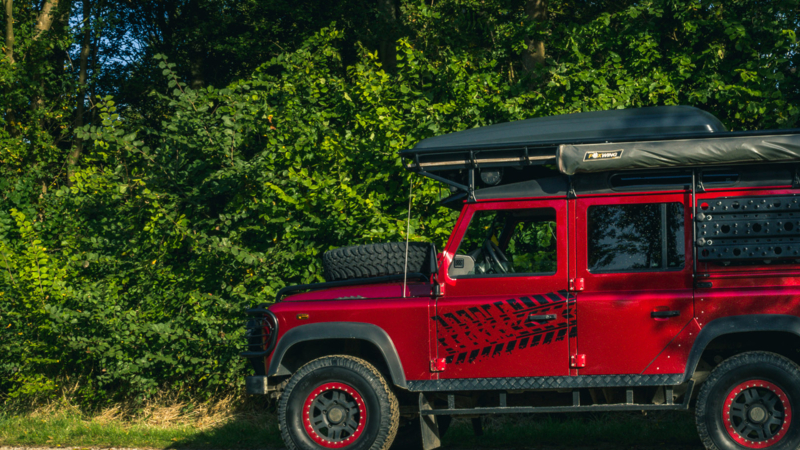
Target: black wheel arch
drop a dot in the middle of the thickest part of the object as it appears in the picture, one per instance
(326, 331)
(749, 323)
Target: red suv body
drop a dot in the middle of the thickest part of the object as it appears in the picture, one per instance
(597, 290)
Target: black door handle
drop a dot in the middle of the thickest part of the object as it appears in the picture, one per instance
(664, 314)
(541, 317)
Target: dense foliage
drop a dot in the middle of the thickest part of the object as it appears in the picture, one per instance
(164, 165)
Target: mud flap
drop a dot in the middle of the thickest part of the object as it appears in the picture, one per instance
(430, 430)
(256, 385)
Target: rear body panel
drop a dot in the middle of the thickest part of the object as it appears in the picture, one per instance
(747, 289)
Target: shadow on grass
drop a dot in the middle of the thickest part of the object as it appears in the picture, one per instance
(250, 433)
(637, 430)
(634, 430)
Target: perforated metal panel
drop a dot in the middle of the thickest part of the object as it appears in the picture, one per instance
(566, 382)
(748, 228)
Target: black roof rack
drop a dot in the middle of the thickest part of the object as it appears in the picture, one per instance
(600, 141)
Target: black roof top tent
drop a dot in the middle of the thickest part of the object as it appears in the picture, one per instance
(588, 127)
(625, 139)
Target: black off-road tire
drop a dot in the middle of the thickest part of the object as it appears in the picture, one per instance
(375, 260)
(383, 410)
(770, 367)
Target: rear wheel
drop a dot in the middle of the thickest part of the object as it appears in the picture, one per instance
(338, 402)
(749, 402)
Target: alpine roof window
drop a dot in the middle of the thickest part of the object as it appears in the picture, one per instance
(632, 181)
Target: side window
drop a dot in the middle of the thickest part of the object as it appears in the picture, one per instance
(639, 237)
(507, 242)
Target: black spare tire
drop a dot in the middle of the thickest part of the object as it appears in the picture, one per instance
(376, 260)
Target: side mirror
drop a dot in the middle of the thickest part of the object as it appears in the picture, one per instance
(461, 265)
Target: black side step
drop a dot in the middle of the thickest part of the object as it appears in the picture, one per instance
(426, 410)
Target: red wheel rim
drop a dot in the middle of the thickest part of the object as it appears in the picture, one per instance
(757, 414)
(334, 415)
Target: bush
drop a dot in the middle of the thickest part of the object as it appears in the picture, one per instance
(134, 278)
(131, 276)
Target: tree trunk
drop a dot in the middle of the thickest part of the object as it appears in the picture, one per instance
(387, 49)
(9, 4)
(9, 10)
(46, 16)
(85, 50)
(534, 56)
(43, 23)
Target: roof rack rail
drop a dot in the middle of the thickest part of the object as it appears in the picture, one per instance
(601, 141)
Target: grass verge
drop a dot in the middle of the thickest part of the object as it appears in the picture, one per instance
(64, 430)
(233, 422)
(66, 427)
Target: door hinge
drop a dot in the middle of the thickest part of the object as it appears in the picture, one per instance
(577, 361)
(576, 284)
(438, 365)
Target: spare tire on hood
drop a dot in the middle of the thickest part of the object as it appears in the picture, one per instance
(376, 260)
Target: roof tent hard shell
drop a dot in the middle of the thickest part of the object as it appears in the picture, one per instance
(626, 139)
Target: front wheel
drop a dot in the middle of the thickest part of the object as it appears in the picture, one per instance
(338, 402)
(748, 402)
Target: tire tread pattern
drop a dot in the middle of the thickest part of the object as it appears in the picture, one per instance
(758, 357)
(390, 407)
(375, 260)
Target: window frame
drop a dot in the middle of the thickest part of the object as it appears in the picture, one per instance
(494, 286)
(500, 239)
(646, 280)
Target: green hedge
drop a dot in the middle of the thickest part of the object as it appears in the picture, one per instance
(132, 277)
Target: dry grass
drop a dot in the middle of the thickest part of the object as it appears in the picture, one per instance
(165, 410)
(168, 412)
(165, 421)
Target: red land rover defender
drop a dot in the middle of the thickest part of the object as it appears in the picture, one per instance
(640, 259)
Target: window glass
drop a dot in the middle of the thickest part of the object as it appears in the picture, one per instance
(636, 237)
(507, 242)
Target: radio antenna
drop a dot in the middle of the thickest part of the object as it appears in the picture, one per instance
(408, 232)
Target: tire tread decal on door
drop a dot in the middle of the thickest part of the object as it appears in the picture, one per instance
(486, 331)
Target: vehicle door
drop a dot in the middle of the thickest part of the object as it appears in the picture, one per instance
(504, 309)
(634, 280)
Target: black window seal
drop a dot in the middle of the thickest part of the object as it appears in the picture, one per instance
(671, 269)
(505, 275)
